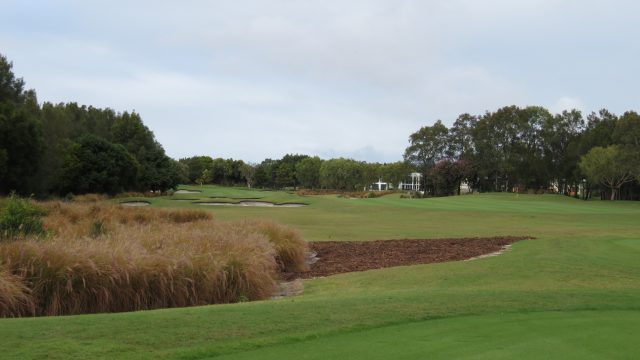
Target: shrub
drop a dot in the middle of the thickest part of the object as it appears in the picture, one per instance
(20, 217)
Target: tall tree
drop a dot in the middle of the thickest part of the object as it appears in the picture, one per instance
(341, 174)
(20, 133)
(156, 170)
(461, 143)
(94, 165)
(195, 166)
(308, 172)
(612, 166)
(248, 172)
(560, 135)
(627, 130)
(427, 146)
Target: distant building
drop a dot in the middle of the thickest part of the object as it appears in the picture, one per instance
(413, 182)
(379, 186)
(465, 188)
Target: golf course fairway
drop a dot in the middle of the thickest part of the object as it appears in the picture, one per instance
(572, 292)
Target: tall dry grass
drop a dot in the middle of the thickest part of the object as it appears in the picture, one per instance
(15, 297)
(79, 219)
(291, 248)
(142, 259)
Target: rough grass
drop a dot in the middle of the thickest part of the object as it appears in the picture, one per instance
(141, 259)
(78, 219)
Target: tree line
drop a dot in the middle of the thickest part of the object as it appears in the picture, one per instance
(293, 171)
(520, 149)
(67, 148)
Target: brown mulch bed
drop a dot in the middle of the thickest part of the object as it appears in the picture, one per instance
(337, 257)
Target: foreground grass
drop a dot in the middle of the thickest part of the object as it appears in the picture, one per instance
(552, 335)
(580, 276)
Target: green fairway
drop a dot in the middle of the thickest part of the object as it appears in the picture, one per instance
(574, 292)
(561, 335)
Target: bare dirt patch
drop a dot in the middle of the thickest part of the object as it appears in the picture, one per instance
(336, 257)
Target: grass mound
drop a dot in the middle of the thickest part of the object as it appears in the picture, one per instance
(104, 258)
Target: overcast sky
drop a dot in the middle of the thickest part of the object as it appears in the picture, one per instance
(258, 79)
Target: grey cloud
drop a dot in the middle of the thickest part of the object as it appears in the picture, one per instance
(257, 79)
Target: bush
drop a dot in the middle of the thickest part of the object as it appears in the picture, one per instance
(20, 218)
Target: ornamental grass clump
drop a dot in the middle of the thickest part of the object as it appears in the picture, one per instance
(15, 297)
(291, 249)
(143, 269)
(106, 258)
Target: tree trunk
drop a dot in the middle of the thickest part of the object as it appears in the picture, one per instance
(613, 194)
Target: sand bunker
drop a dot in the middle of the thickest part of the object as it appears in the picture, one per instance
(251, 203)
(187, 192)
(236, 198)
(335, 257)
(135, 203)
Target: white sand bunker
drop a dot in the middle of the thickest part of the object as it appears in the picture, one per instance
(135, 203)
(502, 250)
(187, 192)
(251, 203)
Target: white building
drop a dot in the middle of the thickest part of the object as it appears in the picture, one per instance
(465, 188)
(379, 186)
(413, 182)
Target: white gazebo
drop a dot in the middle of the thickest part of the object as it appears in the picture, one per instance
(413, 182)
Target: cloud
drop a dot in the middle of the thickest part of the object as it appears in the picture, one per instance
(260, 79)
(567, 103)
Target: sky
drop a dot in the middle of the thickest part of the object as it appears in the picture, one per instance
(259, 79)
